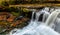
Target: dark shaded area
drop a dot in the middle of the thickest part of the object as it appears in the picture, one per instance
(56, 2)
(40, 17)
(32, 1)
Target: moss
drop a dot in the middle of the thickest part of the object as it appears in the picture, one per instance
(15, 14)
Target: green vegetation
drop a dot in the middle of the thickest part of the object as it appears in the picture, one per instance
(15, 14)
(4, 3)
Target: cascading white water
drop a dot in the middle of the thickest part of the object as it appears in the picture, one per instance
(35, 28)
(46, 14)
(32, 24)
(51, 18)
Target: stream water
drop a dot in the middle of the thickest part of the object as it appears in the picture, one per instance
(36, 27)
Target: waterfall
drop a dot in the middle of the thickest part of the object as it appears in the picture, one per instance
(50, 20)
(37, 28)
(33, 14)
(46, 13)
